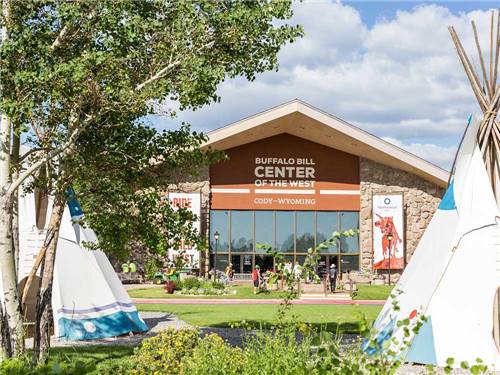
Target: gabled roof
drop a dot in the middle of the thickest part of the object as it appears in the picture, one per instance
(303, 120)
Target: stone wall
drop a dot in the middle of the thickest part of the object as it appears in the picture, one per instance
(421, 199)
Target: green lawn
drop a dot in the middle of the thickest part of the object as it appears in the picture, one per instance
(242, 292)
(345, 318)
(373, 291)
(366, 292)
(89, 355)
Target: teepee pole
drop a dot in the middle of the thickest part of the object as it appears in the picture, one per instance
(497, 50)
(481, 60)
(492, 21)
(469, 70)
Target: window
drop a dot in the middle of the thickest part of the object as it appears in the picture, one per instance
(349, 220)
(264, 229)
(291, 233)
(349, 262)
(219, 222)
(285, 236)
(241, 231)
(327, 223)
(306, 221)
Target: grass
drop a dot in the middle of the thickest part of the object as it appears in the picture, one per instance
(345, 318)
(242, 292)
(89, 355)
(365, 292)
(370, 292)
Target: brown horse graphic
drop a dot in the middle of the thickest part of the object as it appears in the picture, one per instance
(386, 225)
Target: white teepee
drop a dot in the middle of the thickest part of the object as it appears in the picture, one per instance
(454, 273)
(88, 299)
(453, 277)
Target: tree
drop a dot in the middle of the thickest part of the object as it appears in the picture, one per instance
(70, 69)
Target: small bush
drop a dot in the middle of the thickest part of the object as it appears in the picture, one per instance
(213, 356)
(178, 285)
(191, 283)
(151, 267)
(163, 353)
(277, 354)
(218, 285)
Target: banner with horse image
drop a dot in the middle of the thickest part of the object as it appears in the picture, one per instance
(388, 231)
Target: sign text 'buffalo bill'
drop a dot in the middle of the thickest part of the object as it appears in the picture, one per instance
(388, 231)
(285, 172)
(192, 202)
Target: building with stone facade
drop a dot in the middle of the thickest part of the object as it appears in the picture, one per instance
(294, 175)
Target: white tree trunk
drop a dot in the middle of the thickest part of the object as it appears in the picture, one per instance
(16, 145)
(11, 307)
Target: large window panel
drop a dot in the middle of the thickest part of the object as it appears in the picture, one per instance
(241, 231)
(305, 230)
(222, 261)
(349, 263)
(349, 220)
(219, 222)
(327, 223)
(285, 225)
(264, 229)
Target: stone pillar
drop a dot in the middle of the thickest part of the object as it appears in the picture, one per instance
(421, 199)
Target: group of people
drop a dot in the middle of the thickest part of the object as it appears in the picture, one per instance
(260, 282)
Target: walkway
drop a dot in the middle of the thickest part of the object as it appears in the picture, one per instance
(220, 301)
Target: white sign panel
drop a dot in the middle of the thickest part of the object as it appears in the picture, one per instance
(388, 231)
(192, 202)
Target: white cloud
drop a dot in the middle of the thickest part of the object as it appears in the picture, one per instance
(399, 78)
(442, 156)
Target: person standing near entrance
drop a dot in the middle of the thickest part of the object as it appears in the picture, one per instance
(333, 277)
(256, 278)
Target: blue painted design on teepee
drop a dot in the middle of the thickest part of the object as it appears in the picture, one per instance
(384, 335)
(115, 324)
(422, 349)
(75, 209)
(448, 201)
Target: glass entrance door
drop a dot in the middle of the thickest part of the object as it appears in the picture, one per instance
(265, 262)
(246, 261)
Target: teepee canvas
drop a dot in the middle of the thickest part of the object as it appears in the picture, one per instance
(88, 299)
(453, 277)
(454, 273)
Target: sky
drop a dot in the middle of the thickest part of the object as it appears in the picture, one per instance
(388, 67)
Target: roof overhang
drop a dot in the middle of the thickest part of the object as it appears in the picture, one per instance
(303, 120)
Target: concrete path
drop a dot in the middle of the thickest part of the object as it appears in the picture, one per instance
(249, 301)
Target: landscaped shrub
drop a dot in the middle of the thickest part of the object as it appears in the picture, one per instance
(218, 285)
(178, 285)
(191, 283)
(151, 267)
(213, 356)
(276, 354)
(162, 354)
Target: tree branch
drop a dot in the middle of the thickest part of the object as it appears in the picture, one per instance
(162, 72)
(63, 34)
(62, 151)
